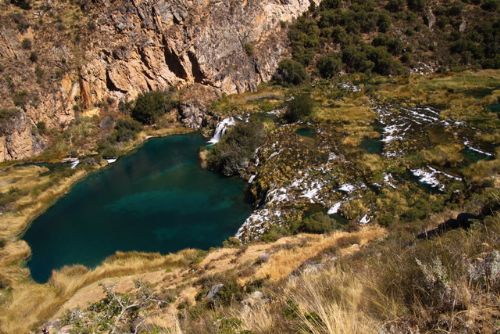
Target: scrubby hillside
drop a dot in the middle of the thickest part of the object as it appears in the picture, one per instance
(372, 161)
(59, 59)
(393, 37)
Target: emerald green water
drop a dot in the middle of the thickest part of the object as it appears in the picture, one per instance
(306, 132)
(156, 200)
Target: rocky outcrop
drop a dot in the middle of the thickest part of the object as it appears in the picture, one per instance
(17, 140)
(231, 46)
(141, 45)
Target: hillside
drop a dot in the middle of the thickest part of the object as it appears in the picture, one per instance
(366, 133)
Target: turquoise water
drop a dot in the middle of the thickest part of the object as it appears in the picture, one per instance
(157, 200)
(494, 107)
(374, 146)
(306, 132)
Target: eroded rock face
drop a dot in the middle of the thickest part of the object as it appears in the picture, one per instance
(229, 45)
(141, 45)
(17, 141)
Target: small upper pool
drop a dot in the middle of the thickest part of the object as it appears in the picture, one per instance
(306, 132)
(157, 199)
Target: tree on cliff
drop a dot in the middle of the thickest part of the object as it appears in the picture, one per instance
(150, 106)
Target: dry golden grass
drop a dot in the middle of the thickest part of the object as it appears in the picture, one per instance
(266, 98)
(35, 303)
(285, 261)
(329, 302)
(13, 224)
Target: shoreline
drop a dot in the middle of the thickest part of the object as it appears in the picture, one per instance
(15, 224)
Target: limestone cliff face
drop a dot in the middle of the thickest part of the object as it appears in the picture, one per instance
(135, 46)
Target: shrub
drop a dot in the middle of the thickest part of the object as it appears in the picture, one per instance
(490, 5)
(384, 22)
(150, 106)
(41, 127)
(23, 4)
(395, 5)
(290, 72)
(33, 57)
(328, 66)
(417, 5)
(249, 49)
(299, 108)
(318, 222)
(20, 99)
(26, 44)
(107, 150)
(126, 130)
(237, 147)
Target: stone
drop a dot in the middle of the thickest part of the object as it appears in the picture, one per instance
(214, 291)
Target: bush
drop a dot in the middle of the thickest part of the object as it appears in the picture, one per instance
(41, 127)
(384, 22)
(23, 4)
(33, 57)
(249, 49)
(490, 5)
(237, 147)
(318, 222)
(395, 5)
(126, 130)
(290, 72)
(26, 44)
(328, 66)
(150, 106)
(417, 5)
(20, 99)
(299, 108)
(107, 150)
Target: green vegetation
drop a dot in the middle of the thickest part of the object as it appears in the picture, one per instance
(383, 37)
(6, 116)
(126, 130)
(150, 106)
(26, 44)
(290, 72)
(299, 108)
(237, 147)
(328, 66)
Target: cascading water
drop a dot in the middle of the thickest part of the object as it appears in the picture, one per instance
(221, 129)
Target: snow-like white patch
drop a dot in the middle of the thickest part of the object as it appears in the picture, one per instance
(347, 187)
(365, 220)
(279, 195)
(335, 208)
(256, 224)
(74, 162)
(428, 178)
(251, 179)
(388, 179)
(110, 161)
(332, 157)
(221, 129)
(350, 87)
(274, 154)
(467, 144)
(312, 191)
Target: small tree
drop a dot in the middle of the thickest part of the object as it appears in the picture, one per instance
(150, 106)
(299, 108)
(290, 72)
(237, 147)
(26, 44)
(328, 66)
(126, 130)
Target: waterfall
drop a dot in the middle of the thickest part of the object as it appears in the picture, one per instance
(221, 129)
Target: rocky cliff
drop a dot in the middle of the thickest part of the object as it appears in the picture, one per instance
(57, 59)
